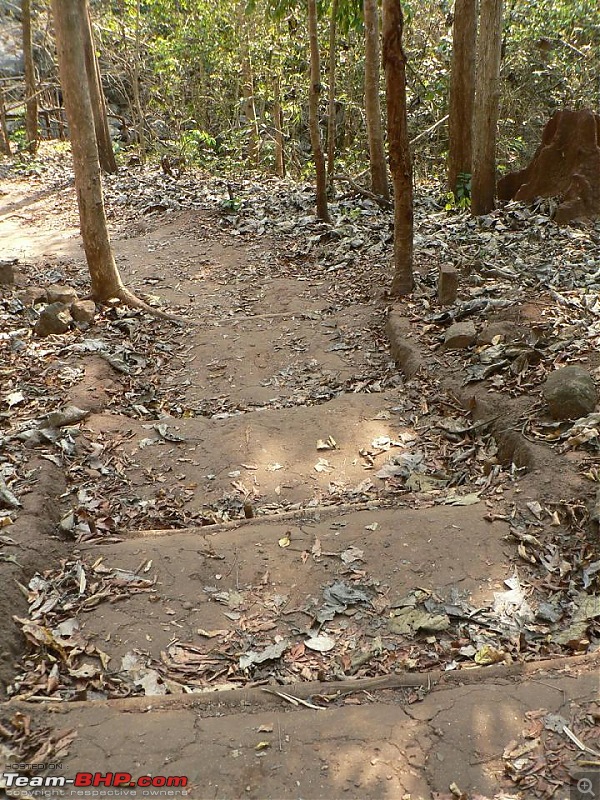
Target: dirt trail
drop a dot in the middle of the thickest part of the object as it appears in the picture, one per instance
(225, 479)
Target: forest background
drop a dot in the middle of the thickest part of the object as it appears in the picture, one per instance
(224, 85)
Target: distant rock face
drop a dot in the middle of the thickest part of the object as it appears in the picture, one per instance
(566, 164)
(11, 53)
(570, 393)
(55, 318)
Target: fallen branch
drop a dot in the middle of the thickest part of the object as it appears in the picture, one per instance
(381, 201)
(311, 514)
(429, 130)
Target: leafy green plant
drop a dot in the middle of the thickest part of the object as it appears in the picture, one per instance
(461, 199)
(195, 144)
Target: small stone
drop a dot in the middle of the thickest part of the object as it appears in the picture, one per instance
(55, 318)
(570, 393)
(33, 295)
(460, 335)
(57, 293)
(83, 311)
(507, 331)
(447, 285)
(7, 272)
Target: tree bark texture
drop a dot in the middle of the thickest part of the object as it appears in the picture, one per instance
(331, 115)
(394, 62)
(487, 102)
(106, 154)
(31, 106)
(105, 279)
(379, 180)
(313, 113)
(462, 91)
(4, 140)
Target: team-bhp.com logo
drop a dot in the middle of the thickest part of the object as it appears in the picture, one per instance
(96, 784)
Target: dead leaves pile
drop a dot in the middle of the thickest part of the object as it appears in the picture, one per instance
(553, 752)
(63, 663)
(31, 747)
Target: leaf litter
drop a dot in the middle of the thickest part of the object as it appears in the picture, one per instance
(513, 256)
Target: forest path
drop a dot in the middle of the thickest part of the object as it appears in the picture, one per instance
(260, 499)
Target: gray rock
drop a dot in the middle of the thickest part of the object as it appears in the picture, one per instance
(61, 294)
(460, 335)
(33, 295)
(83, 311)
(570, 393)
(7, 273)
(55, 318)
(508, 331)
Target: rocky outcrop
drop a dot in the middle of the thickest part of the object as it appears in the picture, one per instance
(565, 165)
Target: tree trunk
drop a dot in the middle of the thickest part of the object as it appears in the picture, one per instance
(313, 113)
(331, 115)
(278, 126)
(379, 181)
(105, 150)
(394, 62)
(4, 140)
(31, 106)
(248, 91)
(105, 278)
(462, 92)
(487, 102)
(135, 73)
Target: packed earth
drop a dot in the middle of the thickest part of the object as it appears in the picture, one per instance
(304, 542)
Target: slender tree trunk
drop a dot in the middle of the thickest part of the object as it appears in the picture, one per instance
(331, 115)
(278, 126)
(394, 62)
(31, 106)
(379, 181)
(135, 82)
(105, 150)
(487, 103)
(462, 91)
(105, 279)
(313, 113)
(248, 90)
(4, 140)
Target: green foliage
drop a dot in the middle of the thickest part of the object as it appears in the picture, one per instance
(191, 57)
(461, 199)
(195, 144)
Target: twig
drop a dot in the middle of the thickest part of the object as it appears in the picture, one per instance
(430, 129)
(295, 701)
(381, 201)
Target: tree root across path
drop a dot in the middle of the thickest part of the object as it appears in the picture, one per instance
(257, 695)
(131, 300)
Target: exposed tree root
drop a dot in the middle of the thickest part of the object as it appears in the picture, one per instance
(131, 300)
